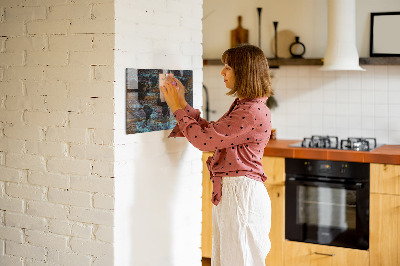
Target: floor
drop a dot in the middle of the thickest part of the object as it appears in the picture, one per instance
(206, 261)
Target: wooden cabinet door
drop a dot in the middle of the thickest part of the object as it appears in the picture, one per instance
(304, 254)
(206, 225)
(385, 178)
(277, 233)
(274, 168)
(384, 236)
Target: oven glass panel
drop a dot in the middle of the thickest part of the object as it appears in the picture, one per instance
(326, 207)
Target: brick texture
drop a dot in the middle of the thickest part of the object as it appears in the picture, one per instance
(56, 123)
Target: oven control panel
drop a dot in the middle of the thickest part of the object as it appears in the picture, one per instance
(338, 169)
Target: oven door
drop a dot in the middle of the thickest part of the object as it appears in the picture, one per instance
(327, 213)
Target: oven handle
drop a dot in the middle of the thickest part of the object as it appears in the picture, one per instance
(357, 185)
(324, 254)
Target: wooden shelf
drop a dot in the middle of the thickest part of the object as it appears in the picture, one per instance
(380, 61)
(274, 63)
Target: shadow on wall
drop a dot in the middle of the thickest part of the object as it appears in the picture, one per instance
(156, 191)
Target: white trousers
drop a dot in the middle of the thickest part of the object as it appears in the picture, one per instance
(241, 223)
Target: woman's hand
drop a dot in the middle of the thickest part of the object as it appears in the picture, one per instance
(172, 95)
(181, 91)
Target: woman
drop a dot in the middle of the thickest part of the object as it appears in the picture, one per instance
(242, 208)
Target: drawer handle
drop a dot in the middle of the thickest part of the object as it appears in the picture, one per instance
(324, 254)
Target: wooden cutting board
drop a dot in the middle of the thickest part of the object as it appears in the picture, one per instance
(239, 35)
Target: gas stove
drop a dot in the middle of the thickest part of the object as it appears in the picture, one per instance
(332, 142)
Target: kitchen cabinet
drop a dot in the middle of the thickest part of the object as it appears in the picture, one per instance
(305, 254)
(274, 168)
(206, 225)
(385, 214)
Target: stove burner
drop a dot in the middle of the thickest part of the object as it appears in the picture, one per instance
(358, 144)
(328, 142)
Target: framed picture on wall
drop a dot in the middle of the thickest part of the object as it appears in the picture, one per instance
(385, 34)
(146, 109)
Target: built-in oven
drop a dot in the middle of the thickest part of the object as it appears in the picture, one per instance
(327, 202)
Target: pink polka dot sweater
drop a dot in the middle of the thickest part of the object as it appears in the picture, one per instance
(238, 139)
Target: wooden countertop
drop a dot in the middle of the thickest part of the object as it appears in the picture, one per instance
(389, 154)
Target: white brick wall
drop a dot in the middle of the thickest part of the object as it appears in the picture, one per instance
(56, 132)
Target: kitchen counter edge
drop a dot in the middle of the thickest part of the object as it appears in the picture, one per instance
(385, 154)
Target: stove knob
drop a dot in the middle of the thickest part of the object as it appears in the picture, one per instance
(343, 168)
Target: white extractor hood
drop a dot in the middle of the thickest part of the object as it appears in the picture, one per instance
(341, 51)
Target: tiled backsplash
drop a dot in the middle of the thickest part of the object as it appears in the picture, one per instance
(314, 102)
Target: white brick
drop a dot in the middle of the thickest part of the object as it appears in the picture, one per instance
(104, 73)
(105, 233)
(71, 42)
(46, 58)
(25, 103)
(46, 2)
(94, 216)
(67, 73)
(56, 149)
(103, 41)
(11, 145)
(56, 103)
(69, 197)
(46, 88)
(11, 116)
(10, 174)
(105, 260)
(25, 221)
(92, 151)
(23, 13)
(68, 258)
(46, 118)
(48, 179)
(91, 247)
(91, 89)
(12, 204)
(93, 184)
(11, 59)
(103, 169)
(98, 120)
(103, 202)
(60, 227)
(90, 58)
(11, 88)
(82, 230)
(32, 262)
(70, 12)
(2, 44)
(91, 26)
(70, 166)
(25, 191)
(12, 29)
(46, 240)
(74, 135)
(45, 209)
(11, 260)
(24, 73)
(24, 250)
(46, 27)
(26, 161)
(11, 233)
(31, 43)
(103, 11)
(24, 132)
(102, 136)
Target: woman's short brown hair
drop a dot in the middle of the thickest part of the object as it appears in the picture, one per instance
(250, 66)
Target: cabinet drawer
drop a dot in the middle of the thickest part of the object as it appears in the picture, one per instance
(304, 254)
(385, 178)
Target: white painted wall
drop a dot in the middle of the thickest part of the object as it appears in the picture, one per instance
(345, 103)
(56, 132)
(158, 180)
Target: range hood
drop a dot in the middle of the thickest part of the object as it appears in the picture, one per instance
(341, 51)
